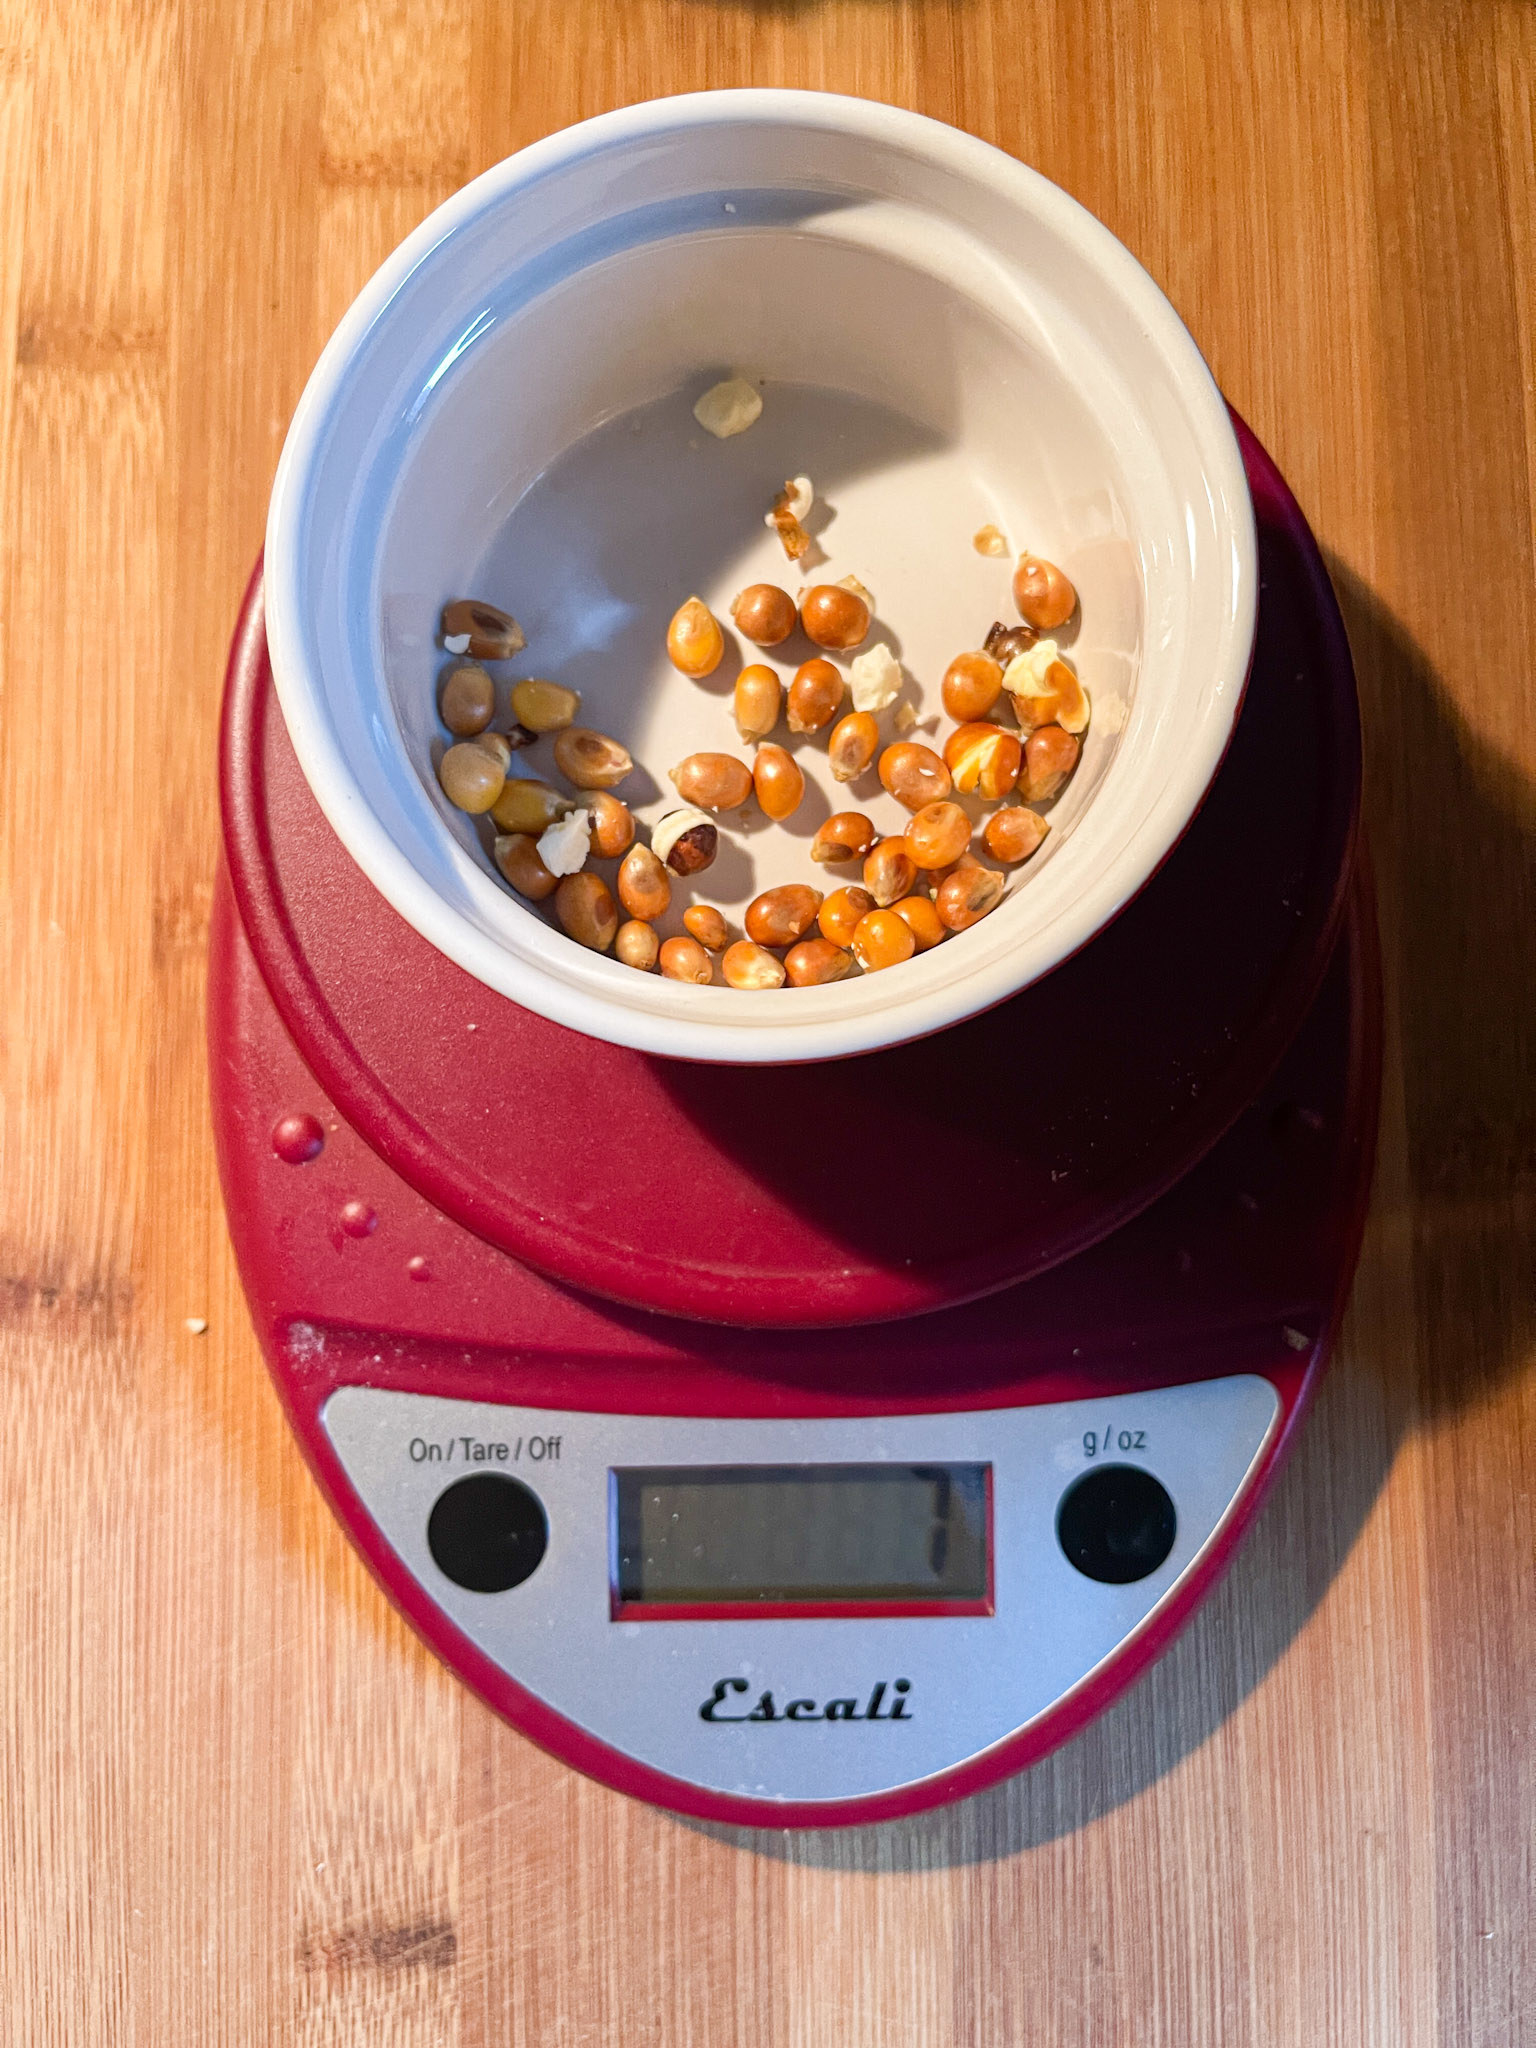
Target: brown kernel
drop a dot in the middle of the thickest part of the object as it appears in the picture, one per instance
(967, 895)
(494, 635)
(748, 965)
(1044, 596)
(1003, 643)
(544, 706)
(684, 959)
(972, 685)
(472, 779)
(517, 856)
(758, 700)
(938, 835)
(889, 872)
(848, 835)
(814, 695)
(839, 915)
(778, 781)
(466, 699)
(707, 926)
(713, 782)
(645, 888)
(833, 616)
(816, 961)
(923, 921)
(695, 642)
(764, 613)
(1014, 833)
(883, 940)
(914, 774)
(584, 905)
(636, 945)
(613, 824)
(528, 805)
(1050, 755)
(693, 851)
(590, 759)
(852, 745)
(780, 916)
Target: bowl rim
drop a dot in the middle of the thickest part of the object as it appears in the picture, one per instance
(584, 1007)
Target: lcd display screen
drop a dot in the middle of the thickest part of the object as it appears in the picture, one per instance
(867, 1535)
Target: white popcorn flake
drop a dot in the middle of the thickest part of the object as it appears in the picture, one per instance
(989, 540)
(852, 583)
(1025, 675)
(728, 408)
(456, 643)
(198, 1325)
(906, 717)
(1046, 689)
(874, 678)
(564, 845)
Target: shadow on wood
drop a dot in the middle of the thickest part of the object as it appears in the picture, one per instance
(1457, 1226)
(1443, 805)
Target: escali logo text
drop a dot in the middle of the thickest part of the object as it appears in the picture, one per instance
(722, 1705)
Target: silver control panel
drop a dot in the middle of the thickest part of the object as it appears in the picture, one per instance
(826, 1672)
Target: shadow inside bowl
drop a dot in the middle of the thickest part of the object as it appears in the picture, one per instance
(1032, 1124)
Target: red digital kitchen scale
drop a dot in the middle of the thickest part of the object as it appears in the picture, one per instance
(812, 1445)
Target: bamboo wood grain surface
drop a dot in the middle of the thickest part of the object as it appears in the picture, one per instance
(240, 1803)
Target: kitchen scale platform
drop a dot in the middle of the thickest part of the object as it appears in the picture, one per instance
(812, 1445)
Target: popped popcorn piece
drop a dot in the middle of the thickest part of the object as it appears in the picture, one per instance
(852, 583)
(905, 719)
(989, 540)
(198, 1325)
(564, 845)
(874, 678)
(789, 509)
(1027, 671)
(686, 841)
(1046, 690)
(799, 496)
(729, 407)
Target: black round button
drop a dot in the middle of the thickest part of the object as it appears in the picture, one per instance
(1116, 1524)
(487, 1533)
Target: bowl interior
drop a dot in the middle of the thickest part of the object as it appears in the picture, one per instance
(514, 422)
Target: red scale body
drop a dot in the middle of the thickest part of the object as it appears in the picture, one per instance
(1147, 1170)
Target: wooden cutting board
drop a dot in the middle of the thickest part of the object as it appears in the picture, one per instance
(238, 1803)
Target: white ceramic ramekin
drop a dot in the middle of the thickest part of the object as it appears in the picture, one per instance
(1028, 370)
